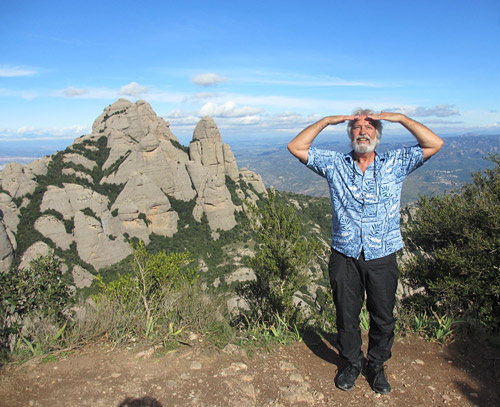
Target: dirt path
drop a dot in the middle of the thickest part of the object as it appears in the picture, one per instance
(421, 374)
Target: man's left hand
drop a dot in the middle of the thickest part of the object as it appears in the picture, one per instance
(387, 116)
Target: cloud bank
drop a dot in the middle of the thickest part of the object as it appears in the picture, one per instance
(208, 79)
(133, 89)
(71, 92)
(11, 72)
(444, 110)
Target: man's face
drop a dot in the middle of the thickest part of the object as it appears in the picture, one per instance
(364, 135)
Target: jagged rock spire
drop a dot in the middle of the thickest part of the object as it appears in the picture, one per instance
(118, 183)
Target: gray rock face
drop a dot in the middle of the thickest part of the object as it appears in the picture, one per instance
(54, 229)
(10, 212)
(38, 167)
(6, 249)
(125, 176)
(206, 147)
(77, 174)
(94, 246)
(208, 173)
(230, 166)
(36, 250)
(16, 181)
(73, 198)
(142, 196)
(79, 160)
(254, 180)
(82, 277)
(214, 199)
(146, 145)
(242, 274)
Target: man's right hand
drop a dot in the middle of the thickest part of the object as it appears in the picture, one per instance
(333, 120)
(300, 144)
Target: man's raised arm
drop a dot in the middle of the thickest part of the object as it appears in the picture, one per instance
(428, 140)
(300, 144)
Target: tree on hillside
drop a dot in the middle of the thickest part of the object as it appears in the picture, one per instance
(454, 241)
(280, 263)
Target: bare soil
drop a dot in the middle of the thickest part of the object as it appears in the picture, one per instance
(301, 374)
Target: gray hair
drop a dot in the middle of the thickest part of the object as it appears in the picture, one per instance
(363, 112)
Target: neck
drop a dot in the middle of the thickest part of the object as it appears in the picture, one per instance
(364, 159)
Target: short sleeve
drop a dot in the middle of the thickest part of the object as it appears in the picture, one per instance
(411, 158)
(320, 160)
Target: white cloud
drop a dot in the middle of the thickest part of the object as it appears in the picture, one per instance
(200, 97)
(25, 94)
(208, 79)
(229, 117)
(44, 133)
(177, 114)
(71, 92)
(313, 82)
(444, 110)
(228, 109)
(14, 71)
(439, 121)
(133, 89)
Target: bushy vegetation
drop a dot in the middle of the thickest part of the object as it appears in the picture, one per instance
(159, 302)
(35, 293)
(156, 295)
(280, 263)
(154, 277)
(454, 241)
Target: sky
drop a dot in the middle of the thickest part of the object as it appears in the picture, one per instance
(260, 69)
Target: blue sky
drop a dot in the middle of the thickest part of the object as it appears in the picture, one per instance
(258, 68)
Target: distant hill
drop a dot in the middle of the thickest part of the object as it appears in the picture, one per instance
(452, 167)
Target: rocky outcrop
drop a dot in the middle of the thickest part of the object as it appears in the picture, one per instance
(6, 249)
(54, 229)
(94, 246)
(73, 198)
(230, 167)
(214, 200)
(211, 162)
(36, 250)
(81, 277)
(10, 212)
(253, 180)
(79, 159)
(142, 196)
(122, 181)
(18, 182)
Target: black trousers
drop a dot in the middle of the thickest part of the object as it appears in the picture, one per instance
(350, 278)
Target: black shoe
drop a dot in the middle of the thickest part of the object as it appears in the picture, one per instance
(375, 374)
(347, 378)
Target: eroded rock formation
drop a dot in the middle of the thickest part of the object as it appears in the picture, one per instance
(124, 180)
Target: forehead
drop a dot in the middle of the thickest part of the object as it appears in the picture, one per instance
(363, 120)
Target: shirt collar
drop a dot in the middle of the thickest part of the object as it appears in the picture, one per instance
(378, 158)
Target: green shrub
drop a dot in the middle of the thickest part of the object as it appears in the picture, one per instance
(37, 292)
(454, 240)
(155, 278)
(280, 263)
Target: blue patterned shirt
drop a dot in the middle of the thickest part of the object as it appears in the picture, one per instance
(365, 207)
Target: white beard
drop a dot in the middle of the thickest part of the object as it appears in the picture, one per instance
(364, 148)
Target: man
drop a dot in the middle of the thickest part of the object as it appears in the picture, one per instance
(365, 189)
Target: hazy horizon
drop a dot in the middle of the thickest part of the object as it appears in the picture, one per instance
(260, 69)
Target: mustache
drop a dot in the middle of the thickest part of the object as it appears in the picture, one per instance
(364, 138)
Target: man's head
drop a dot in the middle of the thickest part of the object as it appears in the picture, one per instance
(364, 133)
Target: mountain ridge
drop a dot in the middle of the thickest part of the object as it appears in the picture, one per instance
(119, 183)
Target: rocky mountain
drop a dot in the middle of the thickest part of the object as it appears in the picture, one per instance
(120, 182)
